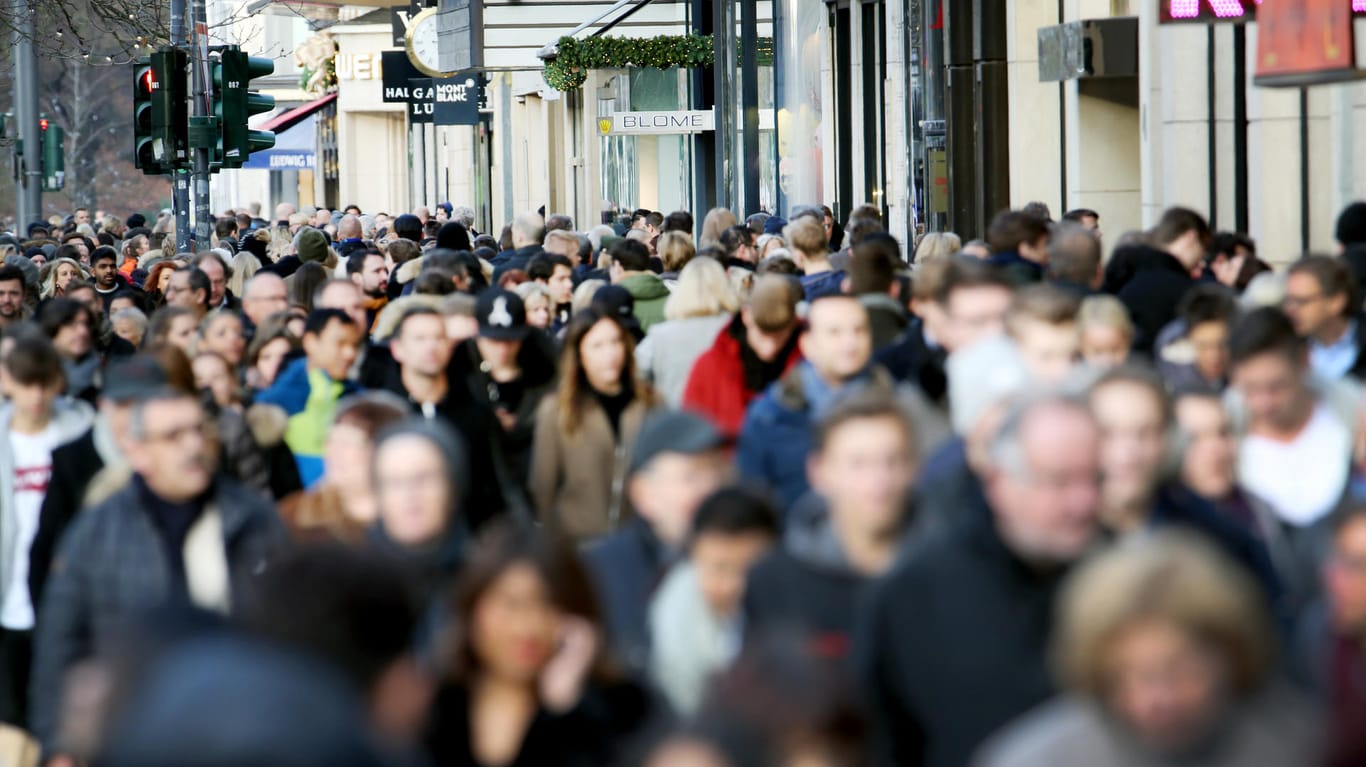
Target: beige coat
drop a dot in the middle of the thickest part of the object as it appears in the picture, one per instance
(578, 481)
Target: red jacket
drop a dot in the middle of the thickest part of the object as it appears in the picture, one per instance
(716, 387)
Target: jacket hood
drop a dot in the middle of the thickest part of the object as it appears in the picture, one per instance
(884, 302)
(409, 270)
(70, 418)
(810, 536)
(645, 287)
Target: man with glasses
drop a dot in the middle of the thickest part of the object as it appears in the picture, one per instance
(178, 534)
(189, 287)
(1321, 301)
(953, 644)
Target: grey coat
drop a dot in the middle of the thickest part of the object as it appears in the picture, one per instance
(666, 357)
(1274, 729)
(71, 418)
(111, 565)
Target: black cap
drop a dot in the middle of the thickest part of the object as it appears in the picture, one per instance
(501, 315)
(136, 220)
(614, 299)
(130, 378)
(674, 431)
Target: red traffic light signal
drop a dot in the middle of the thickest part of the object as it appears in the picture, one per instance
(147, 82)
(42, 124)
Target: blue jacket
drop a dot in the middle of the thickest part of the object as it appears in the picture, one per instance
(823, 284)
(309, 399)
(1019, 269)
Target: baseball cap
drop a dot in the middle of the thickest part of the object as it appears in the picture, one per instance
(618, 301)
(674, 431)
(501, 315)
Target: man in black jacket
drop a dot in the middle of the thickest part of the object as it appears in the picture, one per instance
(1151, 280)
(528, 233)
(953, 644)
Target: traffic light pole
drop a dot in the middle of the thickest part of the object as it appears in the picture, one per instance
(28, 186)
(203, 109)
(180, 179)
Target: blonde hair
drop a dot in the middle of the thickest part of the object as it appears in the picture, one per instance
(583, 294)
(806, 238)
(717, 221)
(937, 245)
(1167, 577)
(1104, 312)
(703, 290)
(243, 267)
(675, 250)
(49, 275)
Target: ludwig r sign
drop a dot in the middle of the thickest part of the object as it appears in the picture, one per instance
(658, 123)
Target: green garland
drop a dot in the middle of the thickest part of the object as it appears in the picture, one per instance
(573, 58)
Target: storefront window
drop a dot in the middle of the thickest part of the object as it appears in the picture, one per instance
(645, 171)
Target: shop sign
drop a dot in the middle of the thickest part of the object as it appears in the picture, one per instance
(421, 101)
(456, 100)
(658, 123)
(358, 66)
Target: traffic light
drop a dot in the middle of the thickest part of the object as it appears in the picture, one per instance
(160, 112)
(235, 103)
(54, 156)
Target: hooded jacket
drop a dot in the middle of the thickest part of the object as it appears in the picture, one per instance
(823, 284)
(650, 293)
(775, 438)
(807, 586)
(70, 419)
(309, 399)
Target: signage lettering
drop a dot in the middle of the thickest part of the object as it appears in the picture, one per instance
(660, 123)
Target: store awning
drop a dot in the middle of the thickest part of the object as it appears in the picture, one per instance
(296, 148)
(286, 119)
(617, 13)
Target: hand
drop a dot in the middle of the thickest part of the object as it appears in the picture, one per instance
(563, 678)
(1226, 270)
(507, 419)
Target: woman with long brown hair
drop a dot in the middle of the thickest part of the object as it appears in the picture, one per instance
(585, 432)
(528, 681)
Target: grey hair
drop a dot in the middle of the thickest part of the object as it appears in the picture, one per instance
(1006, 449)
(132, 315)
(464, 214)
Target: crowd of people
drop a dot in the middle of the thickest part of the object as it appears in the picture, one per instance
(344, 488)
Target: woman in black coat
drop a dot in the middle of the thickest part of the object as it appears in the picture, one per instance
(528, 682)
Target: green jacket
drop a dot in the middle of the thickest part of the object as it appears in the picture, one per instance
(650, 293)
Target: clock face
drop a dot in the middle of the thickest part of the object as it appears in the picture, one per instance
(422, 43)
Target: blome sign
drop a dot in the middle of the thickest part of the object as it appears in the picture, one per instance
(658, 123)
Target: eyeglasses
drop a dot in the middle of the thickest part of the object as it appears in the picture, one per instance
(179, 434)
(1299, 302)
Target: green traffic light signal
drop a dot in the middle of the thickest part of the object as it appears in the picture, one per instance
(235, 103)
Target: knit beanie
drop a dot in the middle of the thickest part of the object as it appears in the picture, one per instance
(311, 245)
(1351, 228)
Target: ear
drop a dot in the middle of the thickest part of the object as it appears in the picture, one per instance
(814, 475)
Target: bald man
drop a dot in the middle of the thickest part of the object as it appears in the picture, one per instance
(265, 294)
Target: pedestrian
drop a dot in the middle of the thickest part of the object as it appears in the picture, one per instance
(222, 333)
(178, 533)
(308, 389)
(1042, 321)
(873, 266)
(1151, 279)
(1019, 245)
(586, 431)
(1321, 300)
(700, 306)
(759, 345)
(862, 466)
(967, 593)
(37, 419)
(630, 269)
(679, 460)
(1163, 603)
(528, 681)
(808, 241)
(1107, 335)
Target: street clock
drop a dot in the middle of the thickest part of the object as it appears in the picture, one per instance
(421, 43)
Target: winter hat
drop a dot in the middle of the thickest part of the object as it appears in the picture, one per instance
(136, 220)
(774, 225)
(26, 266)
(1351, 228)
(311, 245)
(409, 227)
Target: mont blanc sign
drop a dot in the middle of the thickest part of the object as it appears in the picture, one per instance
(658, 123)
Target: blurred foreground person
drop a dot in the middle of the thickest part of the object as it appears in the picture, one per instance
(528, 682)
(953, 645)
(178, 533)
(1167, 655)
